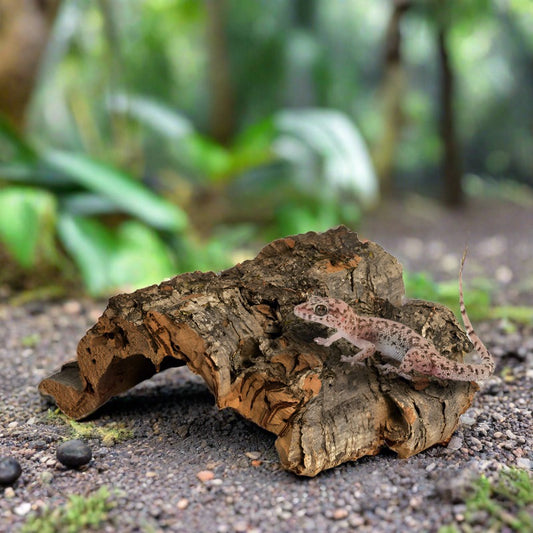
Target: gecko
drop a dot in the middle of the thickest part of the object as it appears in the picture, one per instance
(395, 340)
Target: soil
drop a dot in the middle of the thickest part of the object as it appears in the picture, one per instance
(157, 474)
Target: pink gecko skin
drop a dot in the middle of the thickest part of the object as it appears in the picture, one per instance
(395, 340)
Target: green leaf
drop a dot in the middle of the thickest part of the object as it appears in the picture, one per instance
(133, 256)
(253, 147)
(216, 163)
(156, 115)
(9, 135)
(207, 157)
(27, 218)
(333, 137)
(86, 204)
(128, 194)
(90, 244)
(32, 173)
(522, 7)
(141, 258)
(257, 136)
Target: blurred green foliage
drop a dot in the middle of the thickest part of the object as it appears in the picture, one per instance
(478, 298)
(501, 505)
(120, 171)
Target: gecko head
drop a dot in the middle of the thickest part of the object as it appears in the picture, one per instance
(328, 311)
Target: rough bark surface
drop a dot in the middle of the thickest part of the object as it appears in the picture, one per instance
(237, 330)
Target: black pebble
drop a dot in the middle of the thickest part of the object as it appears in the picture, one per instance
(74, 453)
(9, 470)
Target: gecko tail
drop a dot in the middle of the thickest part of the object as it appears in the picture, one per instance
(481, 349)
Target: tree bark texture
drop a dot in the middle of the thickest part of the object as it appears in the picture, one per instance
(238, 331)
(24, 30)
(451, 155)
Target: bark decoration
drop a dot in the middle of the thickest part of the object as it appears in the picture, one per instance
(237, 330)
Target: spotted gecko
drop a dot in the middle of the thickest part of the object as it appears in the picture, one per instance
(395, 340)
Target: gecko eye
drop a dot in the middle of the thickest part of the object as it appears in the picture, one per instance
(321, 310)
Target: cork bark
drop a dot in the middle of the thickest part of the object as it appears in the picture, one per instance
(237, 330)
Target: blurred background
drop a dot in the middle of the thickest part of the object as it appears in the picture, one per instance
(144, 138)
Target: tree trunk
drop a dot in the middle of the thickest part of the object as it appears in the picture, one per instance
(238, 331)
(300, 86)
(391, 98)
(222, 113)
(24, 31)
(451, 156)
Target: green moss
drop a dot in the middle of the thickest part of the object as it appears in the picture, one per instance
(29, 341)
(109, 434)
(504, 503)
(79, 513)
(448, 529)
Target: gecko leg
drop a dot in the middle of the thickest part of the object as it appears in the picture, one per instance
(367, 350)
(323, 341)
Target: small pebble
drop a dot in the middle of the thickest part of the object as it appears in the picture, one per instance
(72, 307)
(23, 509)
(455, 443)
(467, 420)
(476, 444)
(240, 527)
(182, 504)
(415, 502)
(527, 464)
(74, 453)
(205, 475)
(356, 520)
(253, 455)
(340, 514)
(46, 478)
(10, 470)
(183, 431)
(9, 493)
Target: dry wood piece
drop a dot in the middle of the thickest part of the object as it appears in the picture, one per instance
(238, 331)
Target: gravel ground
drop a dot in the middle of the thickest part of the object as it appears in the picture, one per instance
(177, 432)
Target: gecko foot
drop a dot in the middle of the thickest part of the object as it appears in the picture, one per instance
(323, 341)
(352, 359)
